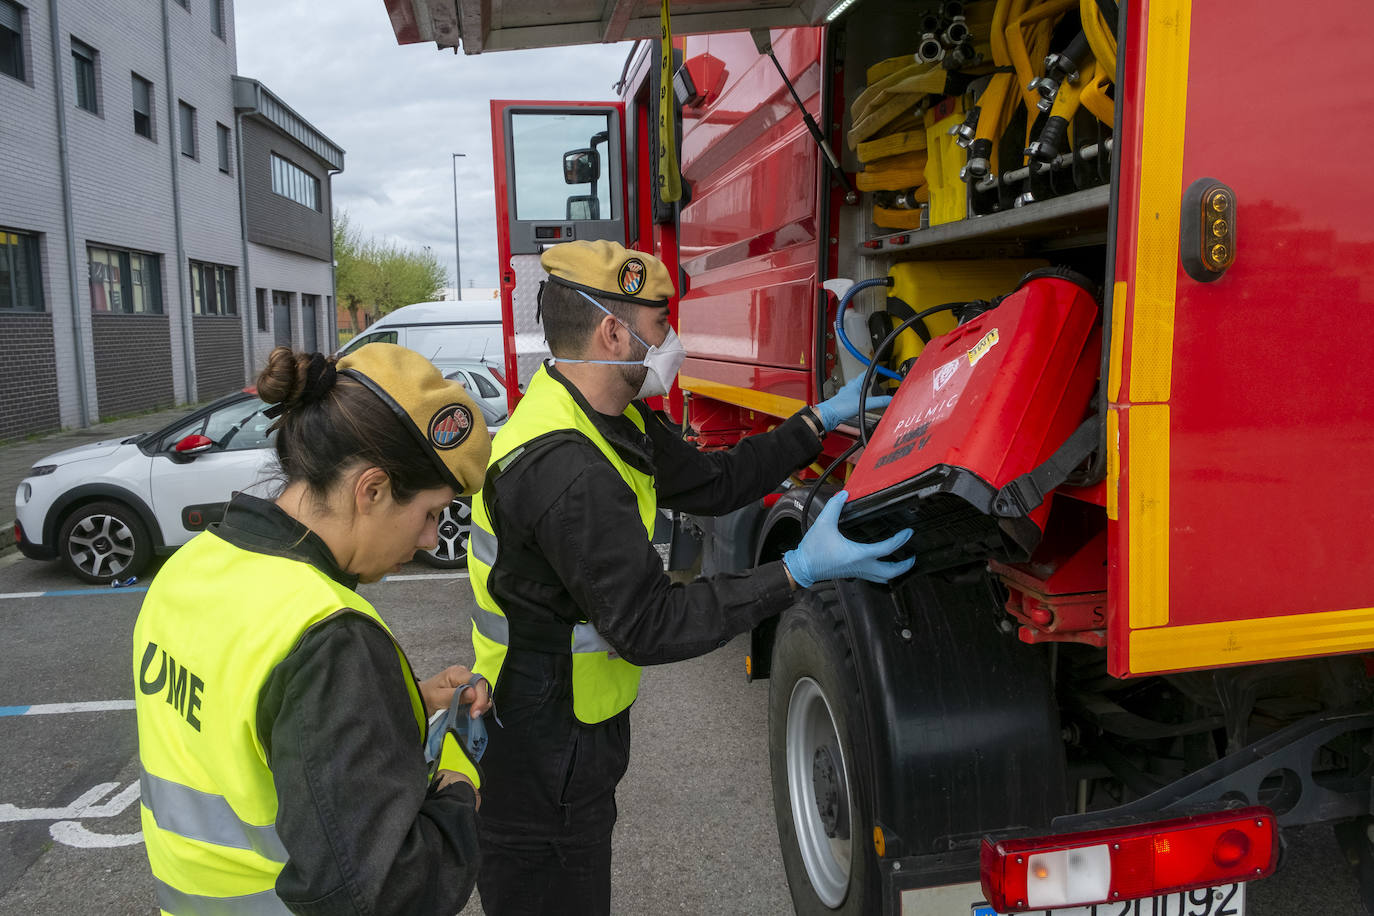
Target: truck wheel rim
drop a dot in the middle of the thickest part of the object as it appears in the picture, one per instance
(101, 545)
(455, 527)
(812, 737)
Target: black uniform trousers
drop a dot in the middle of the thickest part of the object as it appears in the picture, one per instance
(548, 795)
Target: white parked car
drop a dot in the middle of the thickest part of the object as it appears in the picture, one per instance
(105, 509)
(483, 380)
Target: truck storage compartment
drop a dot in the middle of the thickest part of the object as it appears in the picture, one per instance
(921, 285)
(981, 406)
(978, 109)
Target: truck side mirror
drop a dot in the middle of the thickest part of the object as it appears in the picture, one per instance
(581, 166)
(583, 206)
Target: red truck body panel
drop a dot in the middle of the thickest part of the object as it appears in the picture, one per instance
(1240, 526)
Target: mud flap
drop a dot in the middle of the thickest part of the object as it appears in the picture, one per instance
(962, 724)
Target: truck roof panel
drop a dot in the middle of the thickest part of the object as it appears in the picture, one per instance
(504, 25)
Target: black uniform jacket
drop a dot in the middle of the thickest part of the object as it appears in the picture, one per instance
(363, 832)
(571, 520)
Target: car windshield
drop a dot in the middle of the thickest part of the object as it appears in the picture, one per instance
(240, 425)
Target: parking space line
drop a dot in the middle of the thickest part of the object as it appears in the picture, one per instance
(410, 577)
(54, 709)
(76, 592)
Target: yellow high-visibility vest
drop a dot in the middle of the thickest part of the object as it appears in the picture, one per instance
(603, 684)
(216, 621)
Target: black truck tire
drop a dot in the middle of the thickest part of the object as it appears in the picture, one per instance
(817, 752)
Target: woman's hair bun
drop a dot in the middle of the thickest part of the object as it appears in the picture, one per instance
(293, 379)
(281, 380)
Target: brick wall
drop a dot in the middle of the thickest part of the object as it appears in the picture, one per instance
(121, 182)
(219, 355)
(28, 386)
(133, 363)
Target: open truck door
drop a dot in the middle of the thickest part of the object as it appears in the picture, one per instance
(560, 177)
(1240, 491)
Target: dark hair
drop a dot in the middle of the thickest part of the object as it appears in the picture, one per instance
(330, 424)
(569, 319)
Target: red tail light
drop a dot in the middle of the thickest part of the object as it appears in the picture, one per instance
(1142, 860)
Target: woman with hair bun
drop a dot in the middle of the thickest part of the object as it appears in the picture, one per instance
(281, 730)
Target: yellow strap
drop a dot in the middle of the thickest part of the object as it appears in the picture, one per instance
(455, 757)
(669, 175)
(1095, 97)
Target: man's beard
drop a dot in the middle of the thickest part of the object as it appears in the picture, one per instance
(634, 375)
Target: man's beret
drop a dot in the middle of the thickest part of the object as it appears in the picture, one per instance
(609, 269)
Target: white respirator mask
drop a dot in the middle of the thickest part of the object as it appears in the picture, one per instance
(662, 361)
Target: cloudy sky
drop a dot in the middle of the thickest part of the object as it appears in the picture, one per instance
(399, 112)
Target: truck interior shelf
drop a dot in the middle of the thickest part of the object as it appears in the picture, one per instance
(1071, 221)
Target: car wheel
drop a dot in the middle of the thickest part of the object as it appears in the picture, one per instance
(103, 541)
(455, 527)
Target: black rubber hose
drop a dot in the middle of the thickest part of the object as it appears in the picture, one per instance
(863, 401)
(1052, 140)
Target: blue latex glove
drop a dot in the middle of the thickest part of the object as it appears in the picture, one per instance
(845, 404)
(824, 553)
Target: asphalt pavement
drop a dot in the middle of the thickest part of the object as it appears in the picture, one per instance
(696, 832)
(17, 456)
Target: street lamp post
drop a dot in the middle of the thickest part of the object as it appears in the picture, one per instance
(457, 249)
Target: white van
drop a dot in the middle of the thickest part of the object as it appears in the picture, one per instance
(444, 332)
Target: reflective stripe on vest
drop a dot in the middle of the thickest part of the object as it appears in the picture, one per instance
(603, 683)
(496, 628)
(215, 623)
(482, 545)
(201, 816)
(263, 903)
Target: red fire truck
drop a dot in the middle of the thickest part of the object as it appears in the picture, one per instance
(1136, 453)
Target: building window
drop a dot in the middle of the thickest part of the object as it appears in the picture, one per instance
(212, 290)
(217, 17)
(290, 180)
(129, 282)
(21, 274)
(225, 141)
(12, 39)
(187, 115)
(84, 59)
(143, 107)
(262, 309)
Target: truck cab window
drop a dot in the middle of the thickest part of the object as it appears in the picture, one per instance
(561, 166)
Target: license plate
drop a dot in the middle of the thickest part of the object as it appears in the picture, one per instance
(1226, 900)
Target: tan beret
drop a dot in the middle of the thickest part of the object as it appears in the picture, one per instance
(438, 413)
(609, 269)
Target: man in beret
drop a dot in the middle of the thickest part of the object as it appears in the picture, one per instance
(572, 597)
